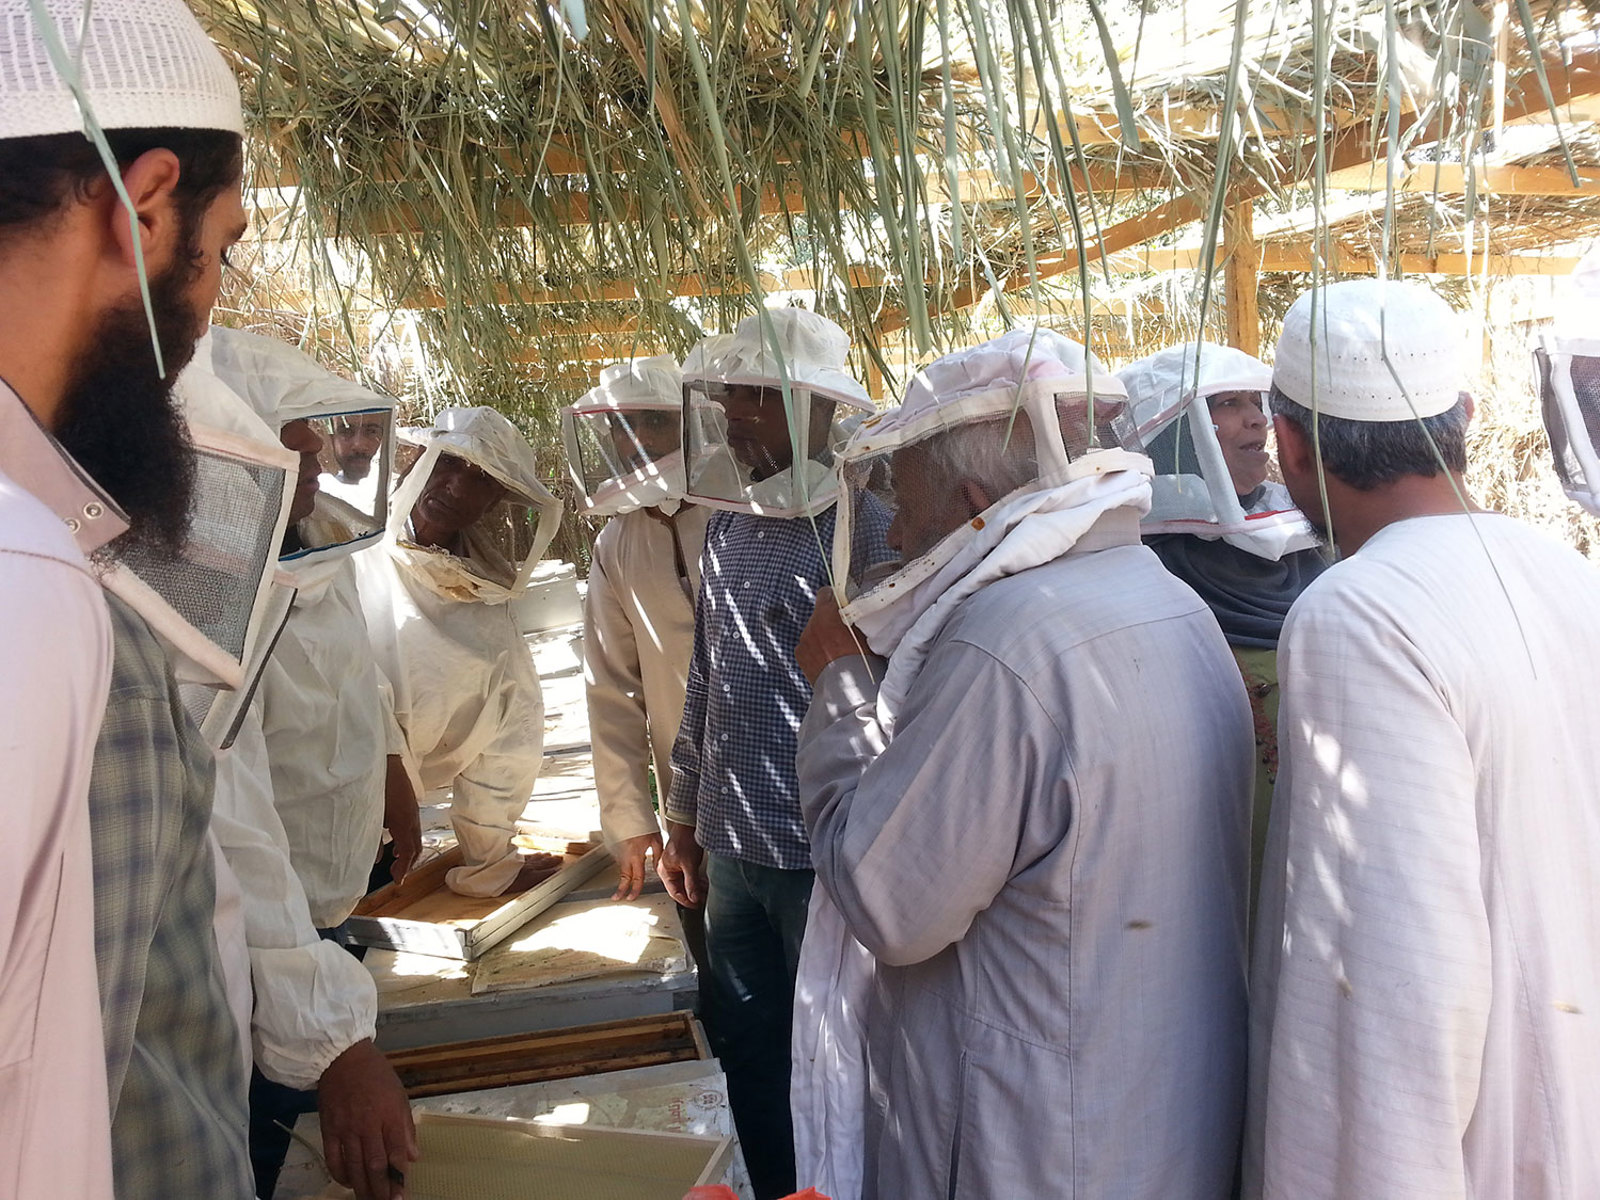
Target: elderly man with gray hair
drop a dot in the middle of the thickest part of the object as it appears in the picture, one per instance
(1427, 960)
(1035, 814)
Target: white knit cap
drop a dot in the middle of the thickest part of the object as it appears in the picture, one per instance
(146, 64)
(1357, 322)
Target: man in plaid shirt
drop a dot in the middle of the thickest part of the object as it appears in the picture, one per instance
(736, 842)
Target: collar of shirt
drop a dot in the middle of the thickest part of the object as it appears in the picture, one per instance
(39, 464)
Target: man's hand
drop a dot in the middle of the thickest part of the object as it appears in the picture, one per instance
(681, 866)
(401, 818)
(630, 854)
(826, 638)
(367, 1135)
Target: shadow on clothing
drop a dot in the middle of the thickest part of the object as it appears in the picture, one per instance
(275, 1107)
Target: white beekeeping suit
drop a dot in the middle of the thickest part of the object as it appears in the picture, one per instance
(445, 634)
(1568, 365)
(305, 1000)
(323, 704)
(625, 451)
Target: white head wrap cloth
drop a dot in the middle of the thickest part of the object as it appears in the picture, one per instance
(1371, 350)
(484, 438)
(643, 385)
(1193, 491)
(1568, 359)
(806, 353)
(1038, 523)
(143, 64)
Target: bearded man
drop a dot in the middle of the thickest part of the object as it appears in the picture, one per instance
(93, 369)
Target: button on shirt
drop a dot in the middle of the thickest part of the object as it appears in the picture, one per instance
(733, 761)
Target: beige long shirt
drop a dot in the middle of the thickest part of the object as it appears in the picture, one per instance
(1425, 995)
(638, 636)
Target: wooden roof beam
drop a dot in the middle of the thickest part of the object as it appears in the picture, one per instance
(1573, 86)
(1300, 257)
(577, 207)
(1450, 179)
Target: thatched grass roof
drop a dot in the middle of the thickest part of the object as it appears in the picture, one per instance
(487, 200)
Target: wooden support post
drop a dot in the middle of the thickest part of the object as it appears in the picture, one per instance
(1242, 267)
(874, 378)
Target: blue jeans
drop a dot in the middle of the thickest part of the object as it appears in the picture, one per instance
(755, 921)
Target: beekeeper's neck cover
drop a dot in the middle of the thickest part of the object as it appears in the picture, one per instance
(1016, 415)
(624, 439)
(497, 553)
(1193, 492)
(356, 427)
(1568, 362)
(216, 605)
(766, 410)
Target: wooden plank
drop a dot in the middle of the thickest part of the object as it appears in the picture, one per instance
(1450, 179)
(1241, 281)
(436, 921)
(558, 1054)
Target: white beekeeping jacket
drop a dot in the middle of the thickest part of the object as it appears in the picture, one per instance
(445, 635)
(312, 1001)
(323, 704)
(638, 638)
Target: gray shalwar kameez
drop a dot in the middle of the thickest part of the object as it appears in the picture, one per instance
(1049, 861)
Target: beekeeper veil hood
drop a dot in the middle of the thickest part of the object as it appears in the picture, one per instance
(354, 425)
(624, 438)
(217, 604)
(766, 409)
(471, 519)
(1000, 458)
(1568, 366)
(1177, 398)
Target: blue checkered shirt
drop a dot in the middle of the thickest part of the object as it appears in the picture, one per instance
(733, 774)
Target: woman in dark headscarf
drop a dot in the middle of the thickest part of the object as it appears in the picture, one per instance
(1218, 523)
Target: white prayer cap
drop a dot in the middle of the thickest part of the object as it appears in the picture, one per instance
(146, 64)
(1357, 322)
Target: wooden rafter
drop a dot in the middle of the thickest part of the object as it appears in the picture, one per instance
(1574, 85)
(573, 205)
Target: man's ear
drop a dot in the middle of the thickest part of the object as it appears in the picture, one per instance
(1471, 406)
(149, 181)
(1296, 456)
